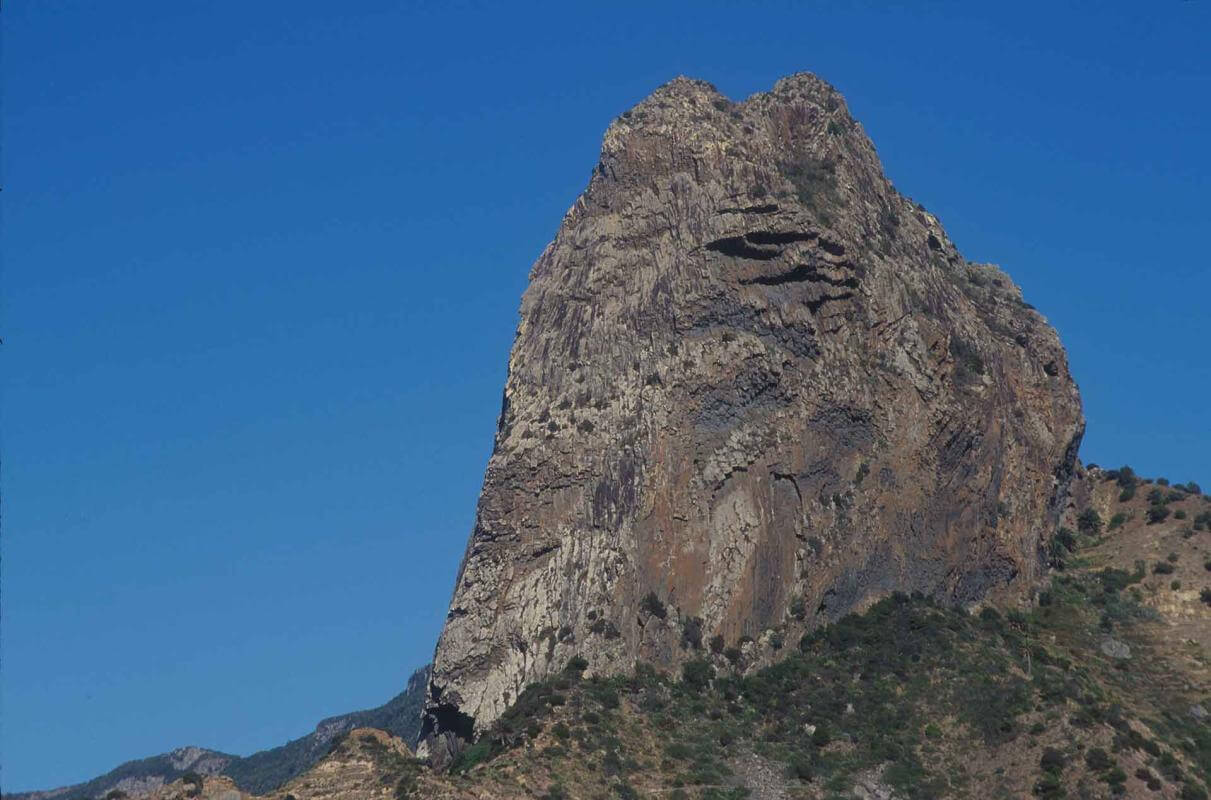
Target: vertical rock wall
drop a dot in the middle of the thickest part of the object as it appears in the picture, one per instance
(754, 381)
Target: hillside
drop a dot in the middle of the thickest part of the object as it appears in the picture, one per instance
(262, 771)
(269, 769)
(1098, 688)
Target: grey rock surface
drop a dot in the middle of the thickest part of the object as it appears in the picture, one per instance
(754, 380)
(1116, 649)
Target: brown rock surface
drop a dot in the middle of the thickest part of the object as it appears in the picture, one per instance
(752, 379)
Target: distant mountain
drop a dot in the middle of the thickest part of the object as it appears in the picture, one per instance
(141, 776)
(265, 771)
(260, 772)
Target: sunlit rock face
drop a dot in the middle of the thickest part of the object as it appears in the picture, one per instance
(753, 388)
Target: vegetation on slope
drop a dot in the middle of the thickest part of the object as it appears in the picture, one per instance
(268, 769)
(1072, 698)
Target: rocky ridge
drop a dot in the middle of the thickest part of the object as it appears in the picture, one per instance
(261, 772)
(753, 389)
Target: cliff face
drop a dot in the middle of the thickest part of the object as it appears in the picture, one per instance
(753, 388)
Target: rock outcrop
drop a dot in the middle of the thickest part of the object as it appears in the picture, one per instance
(753, 388)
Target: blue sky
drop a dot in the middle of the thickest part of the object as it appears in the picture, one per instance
(262, 265)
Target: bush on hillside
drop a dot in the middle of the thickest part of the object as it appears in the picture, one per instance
(691, 633)
(697, 674)
(1098, 759)
(1089, 522)
(1157, 513)
(651, 604)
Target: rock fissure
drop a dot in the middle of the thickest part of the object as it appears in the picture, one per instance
(801, 273)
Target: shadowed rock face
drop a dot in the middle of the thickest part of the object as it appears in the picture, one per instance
(754, 380)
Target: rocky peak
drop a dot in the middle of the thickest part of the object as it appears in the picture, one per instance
(753, 388)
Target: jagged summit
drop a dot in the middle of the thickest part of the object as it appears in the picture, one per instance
(753, 388)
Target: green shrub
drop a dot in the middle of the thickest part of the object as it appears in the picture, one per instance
(1162, 568)
(1192, 791)
(1205, 596)
(475, 754)
(1089, 522)
(1179, 514)
(717, 644)
(691, 633)
(652, 605)
(815, 181)
(1098, 759)
(606, 695)
(1053, 760)
(1172, 558)
(863, 471)
(625, 791)
(1049, 787)
(1175, 585)
(1117, 520)
(697, 674)
(1157, 513)
(1127, 481)
(800, 767)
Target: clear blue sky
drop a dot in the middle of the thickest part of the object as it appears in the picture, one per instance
(261, 271)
